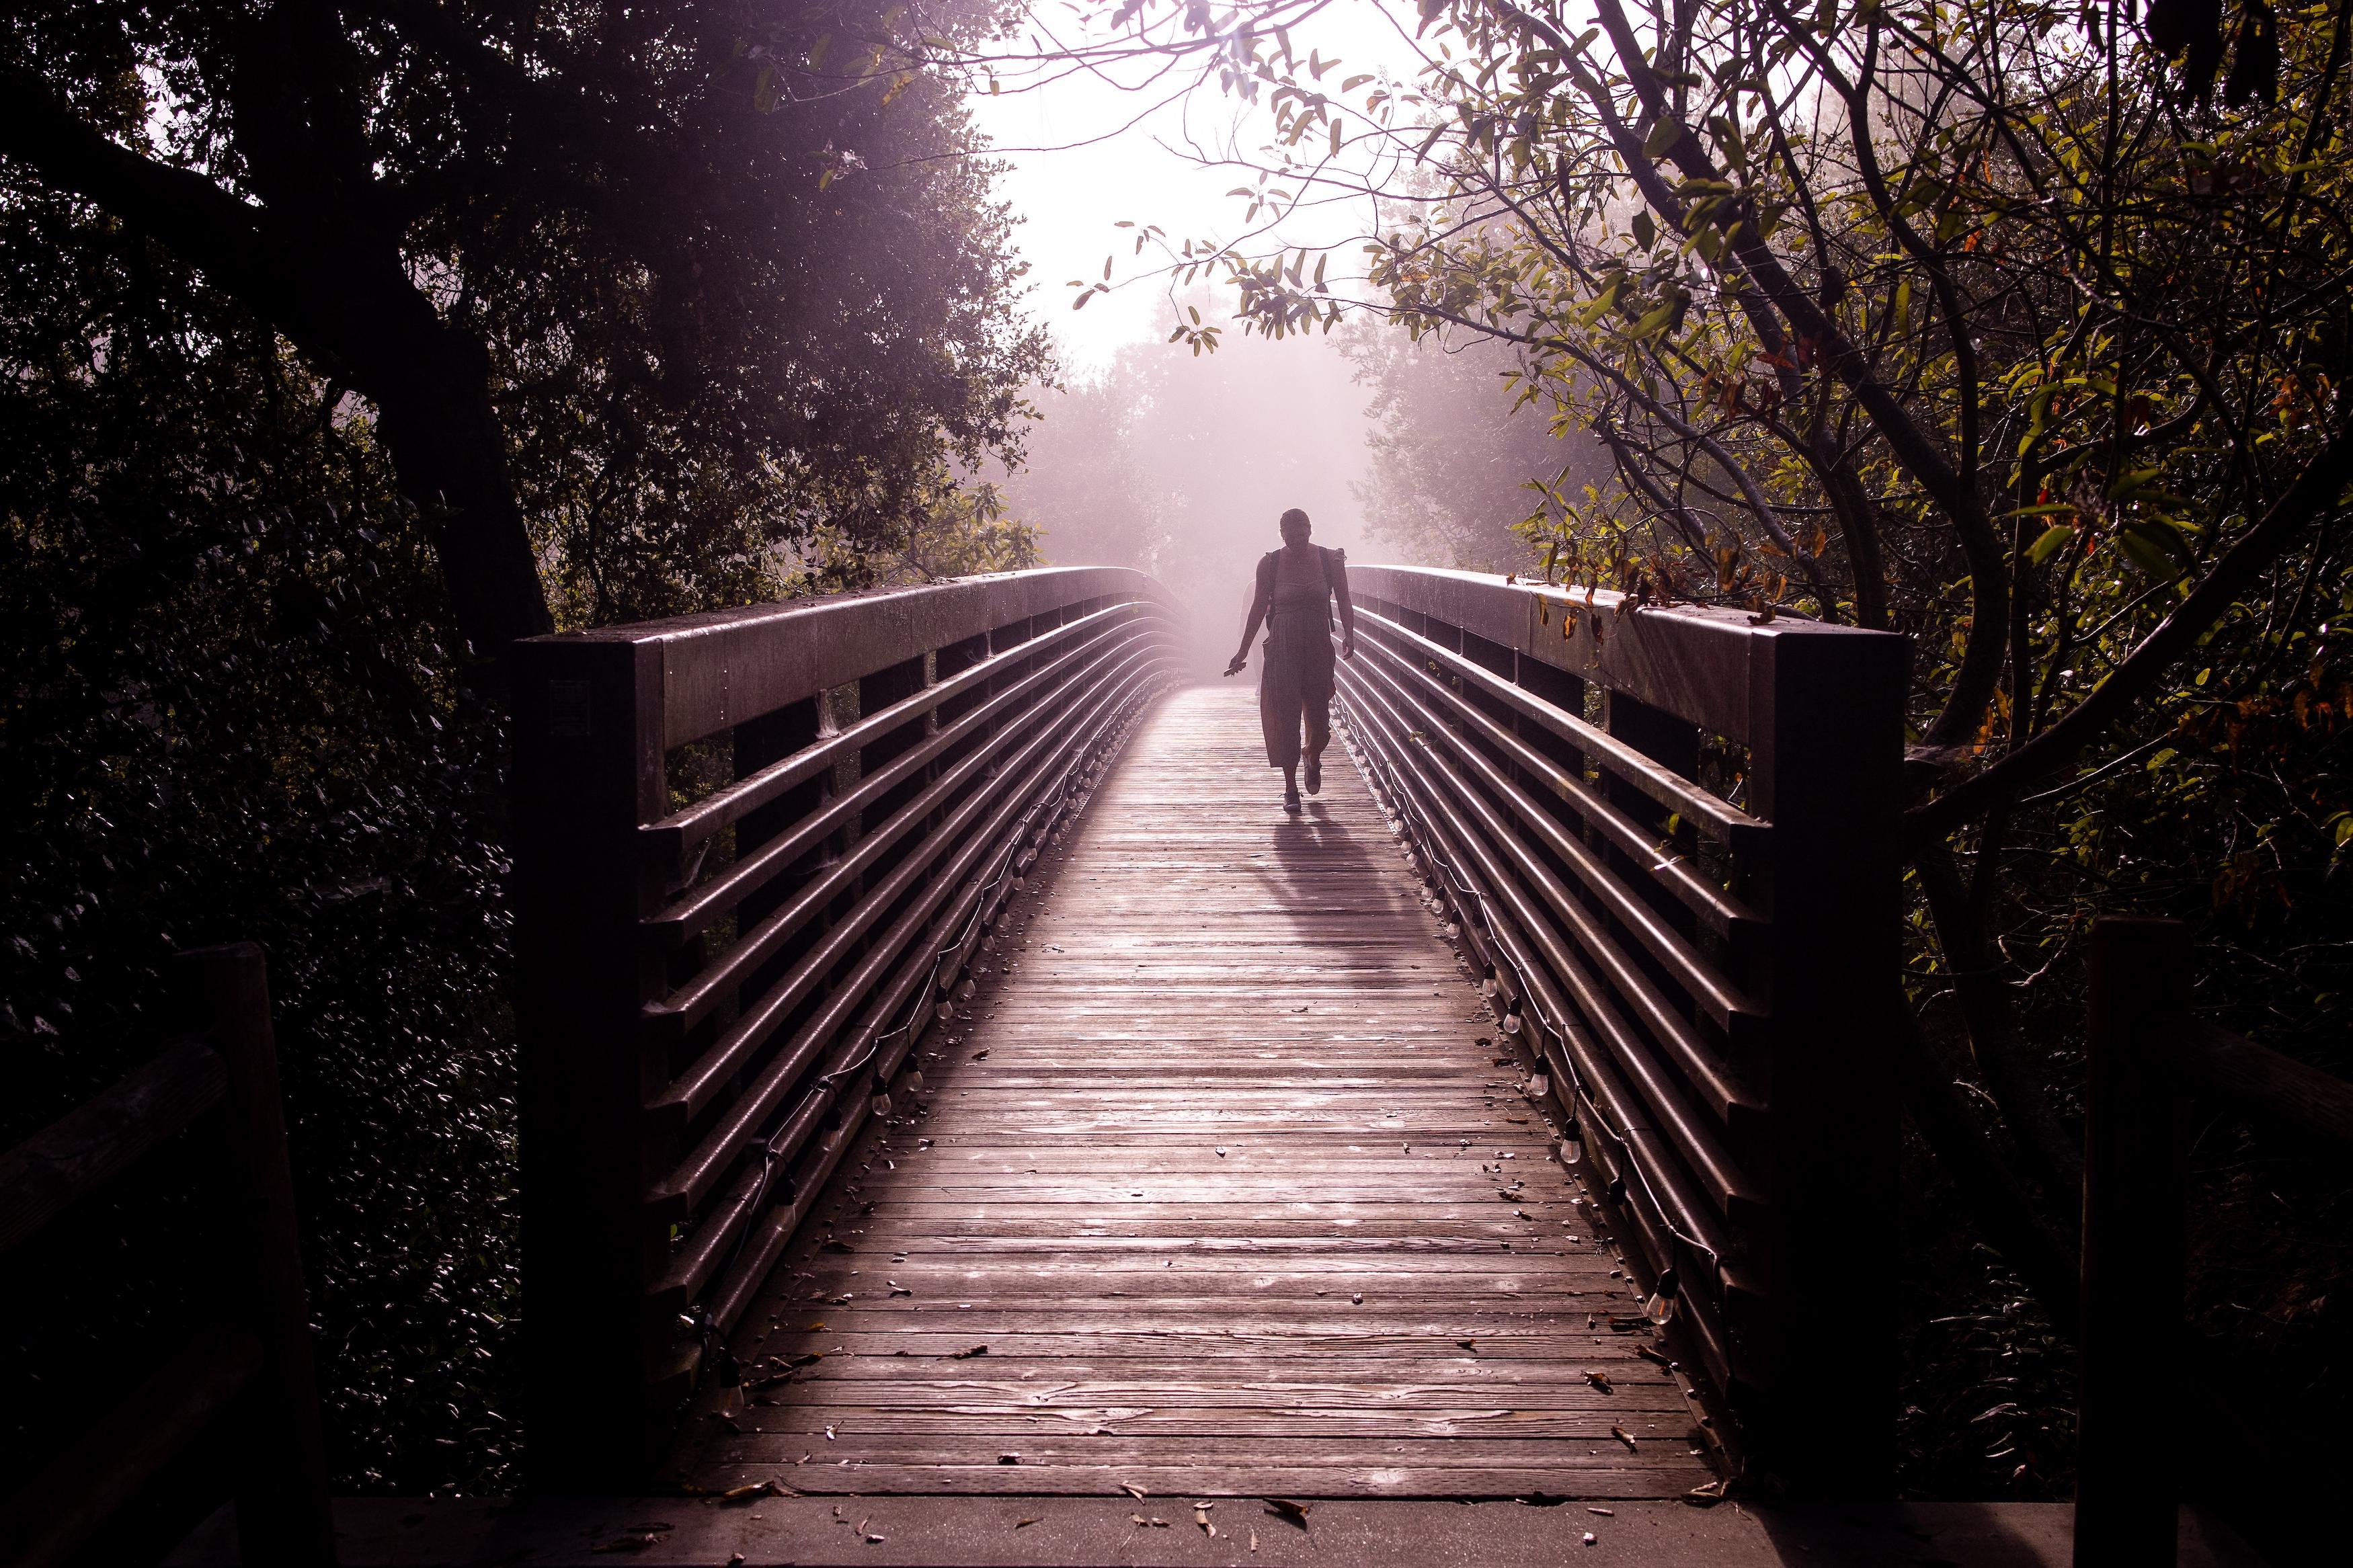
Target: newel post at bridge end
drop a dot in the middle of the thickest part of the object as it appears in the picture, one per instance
(588, 751)
(1826, 707)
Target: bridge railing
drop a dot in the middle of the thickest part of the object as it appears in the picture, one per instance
(753, 852)
(235, 1405)
(1671, 835)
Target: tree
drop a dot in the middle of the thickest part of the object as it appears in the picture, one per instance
(1995, 324)
(1456, 453)
(633, 291)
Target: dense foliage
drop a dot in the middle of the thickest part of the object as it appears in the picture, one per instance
(637, 293)
(231, 713)
(315, 320)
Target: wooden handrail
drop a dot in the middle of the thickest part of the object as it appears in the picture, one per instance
(99, 1139)
(1694, 970)
(712, 992)
(247, 1384)
(2276, 1086)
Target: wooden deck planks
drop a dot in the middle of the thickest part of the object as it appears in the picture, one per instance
(1220, 1174)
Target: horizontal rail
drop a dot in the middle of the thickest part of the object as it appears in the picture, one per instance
(1657, 1103)
(2264, 1080)
(674, 835)
(856, 1056)
(84, 1489)
(100, 1138)
(711, 994)
(1018, 775)
(694, 1088)
(1722, 1001)
(1702, 982)
(1725, 823)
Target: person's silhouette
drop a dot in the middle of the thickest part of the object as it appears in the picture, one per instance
(1296, 587)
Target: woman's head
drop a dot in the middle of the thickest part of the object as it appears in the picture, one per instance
(1294, 527)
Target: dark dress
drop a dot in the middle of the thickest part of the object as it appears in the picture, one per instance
(1295, 685)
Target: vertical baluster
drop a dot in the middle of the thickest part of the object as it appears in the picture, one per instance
(281, 1471)
(2127, 1482)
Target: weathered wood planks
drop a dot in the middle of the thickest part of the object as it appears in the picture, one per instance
(1227, 1173)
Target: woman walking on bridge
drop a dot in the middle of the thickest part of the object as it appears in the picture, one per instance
(1296, 586)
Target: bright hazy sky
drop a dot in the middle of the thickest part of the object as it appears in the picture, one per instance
(1090, 168)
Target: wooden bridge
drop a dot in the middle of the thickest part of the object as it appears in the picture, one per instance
(959, 1100)
(947, 1071)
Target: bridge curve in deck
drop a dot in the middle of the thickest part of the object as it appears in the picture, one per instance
(1224, 1185)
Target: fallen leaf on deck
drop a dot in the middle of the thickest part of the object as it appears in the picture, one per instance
(1138, 1493)
(1604, 1512)
(1008, 1459)
(757, 1489)
(1623, 1436)
(833, 1246)
(1706, 1495)
(1024, 1523)
(1201, 1517)
(1468, 1344)
(1253, 1534)
(967, 1355)
(1290, 1512)
(627, 1543)
(1599, 1380)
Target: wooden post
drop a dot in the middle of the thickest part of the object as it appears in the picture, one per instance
(282, 1514)
(588, 768)
(1826, 744)
(2128, 1485)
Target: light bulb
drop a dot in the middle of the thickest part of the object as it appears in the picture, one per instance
(1487, 986)
(1572, 1145)
(946, 1009)
(1511, 1023)
(1452, 930)
(880, 1106)
(1018, 884)
(1660, 1307)
(914, 1081)
(965, 991)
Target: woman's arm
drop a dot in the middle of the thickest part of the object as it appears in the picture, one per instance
(1258, 597)
(1347, 605)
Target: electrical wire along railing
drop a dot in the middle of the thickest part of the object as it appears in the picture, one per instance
(755, 849)
(1669, 834)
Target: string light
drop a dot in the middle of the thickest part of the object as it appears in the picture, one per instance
(1660, 1308)
(1487, 985)
(1572, 1144)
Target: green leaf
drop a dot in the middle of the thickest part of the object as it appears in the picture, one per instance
(1646, 232)
(2047, 544)
(1663, 135)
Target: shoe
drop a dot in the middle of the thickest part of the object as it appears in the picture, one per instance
(1291, 800)
(1315, 775)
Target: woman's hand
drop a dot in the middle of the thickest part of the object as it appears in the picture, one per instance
(1347, 648)
(1235, 667)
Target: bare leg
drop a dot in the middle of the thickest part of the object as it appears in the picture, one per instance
(1290, 786)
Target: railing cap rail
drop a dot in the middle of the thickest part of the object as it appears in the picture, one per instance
(1699, 662)
(721, 667)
